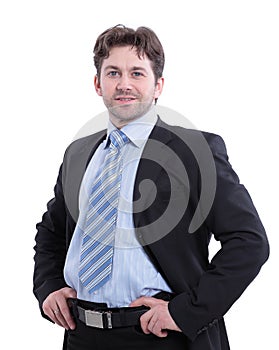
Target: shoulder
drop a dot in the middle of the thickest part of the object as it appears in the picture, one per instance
(85, 144)
(195, 137)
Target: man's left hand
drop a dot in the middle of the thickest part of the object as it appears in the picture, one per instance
(157, 320)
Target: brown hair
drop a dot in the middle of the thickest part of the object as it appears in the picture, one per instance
(143, 39)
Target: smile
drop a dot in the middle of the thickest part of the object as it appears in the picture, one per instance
(125, 99)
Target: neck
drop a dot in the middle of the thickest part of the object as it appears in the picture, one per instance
(120, 123)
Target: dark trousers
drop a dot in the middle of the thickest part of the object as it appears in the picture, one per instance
(126, 338)
(122, 338)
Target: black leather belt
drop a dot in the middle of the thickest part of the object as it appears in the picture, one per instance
(99, 316)
(111, 318)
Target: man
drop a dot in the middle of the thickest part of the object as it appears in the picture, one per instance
(120, 261)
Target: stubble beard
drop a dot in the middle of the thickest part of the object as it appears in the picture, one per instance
(129, 113)
(123, 114)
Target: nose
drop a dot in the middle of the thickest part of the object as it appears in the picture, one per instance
(124, 83)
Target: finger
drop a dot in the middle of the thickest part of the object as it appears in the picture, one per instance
(49, 306)
(156, 328)
(69, 293)
(58, 318)
(151, 324)
(52, 311)
(137, 302)
(64, 315)
(144, 321)
(146, 301)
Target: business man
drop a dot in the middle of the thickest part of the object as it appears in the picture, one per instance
(122, 252)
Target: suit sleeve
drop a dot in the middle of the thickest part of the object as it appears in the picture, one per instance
(234, 222)
(50, 247)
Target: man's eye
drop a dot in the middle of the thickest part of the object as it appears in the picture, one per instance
(137, 74)
(112, 73)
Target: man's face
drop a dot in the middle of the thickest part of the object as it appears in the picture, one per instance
(127, 85)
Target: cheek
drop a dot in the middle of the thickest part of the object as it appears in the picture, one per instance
(107, 89)
(148, 91)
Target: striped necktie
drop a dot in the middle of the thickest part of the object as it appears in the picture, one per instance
(99, 231)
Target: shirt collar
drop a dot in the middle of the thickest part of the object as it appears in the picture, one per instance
(138, 130)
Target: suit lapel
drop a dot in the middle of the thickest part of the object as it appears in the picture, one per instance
(75, 162)
(153, 153)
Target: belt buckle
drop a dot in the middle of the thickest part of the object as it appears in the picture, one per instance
(98, 319)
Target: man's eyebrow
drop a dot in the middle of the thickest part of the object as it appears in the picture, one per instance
(132, 69)
(112, 67)
(139, 68)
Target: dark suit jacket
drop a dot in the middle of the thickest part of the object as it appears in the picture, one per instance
(163, 216)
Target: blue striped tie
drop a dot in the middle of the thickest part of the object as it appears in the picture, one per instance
(98, 238)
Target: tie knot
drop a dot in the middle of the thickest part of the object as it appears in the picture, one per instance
(118, 138)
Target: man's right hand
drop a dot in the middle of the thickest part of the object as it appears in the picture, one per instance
(56, 307)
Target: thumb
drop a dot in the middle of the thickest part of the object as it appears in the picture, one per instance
(143, 301)
(137, 302)
(73, 294)
(70, 293)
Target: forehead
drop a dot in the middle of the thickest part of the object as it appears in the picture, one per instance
(125, 57)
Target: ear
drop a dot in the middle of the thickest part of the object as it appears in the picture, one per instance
(97, 85)
(159, 87)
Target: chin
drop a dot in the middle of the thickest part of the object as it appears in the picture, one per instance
(126, 115)
(129, 112)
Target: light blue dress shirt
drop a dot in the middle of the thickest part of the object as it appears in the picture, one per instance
(133, 274)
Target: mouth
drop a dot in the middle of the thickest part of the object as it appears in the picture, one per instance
(126, 99)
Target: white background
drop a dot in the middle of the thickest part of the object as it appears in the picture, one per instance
(221, 72)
